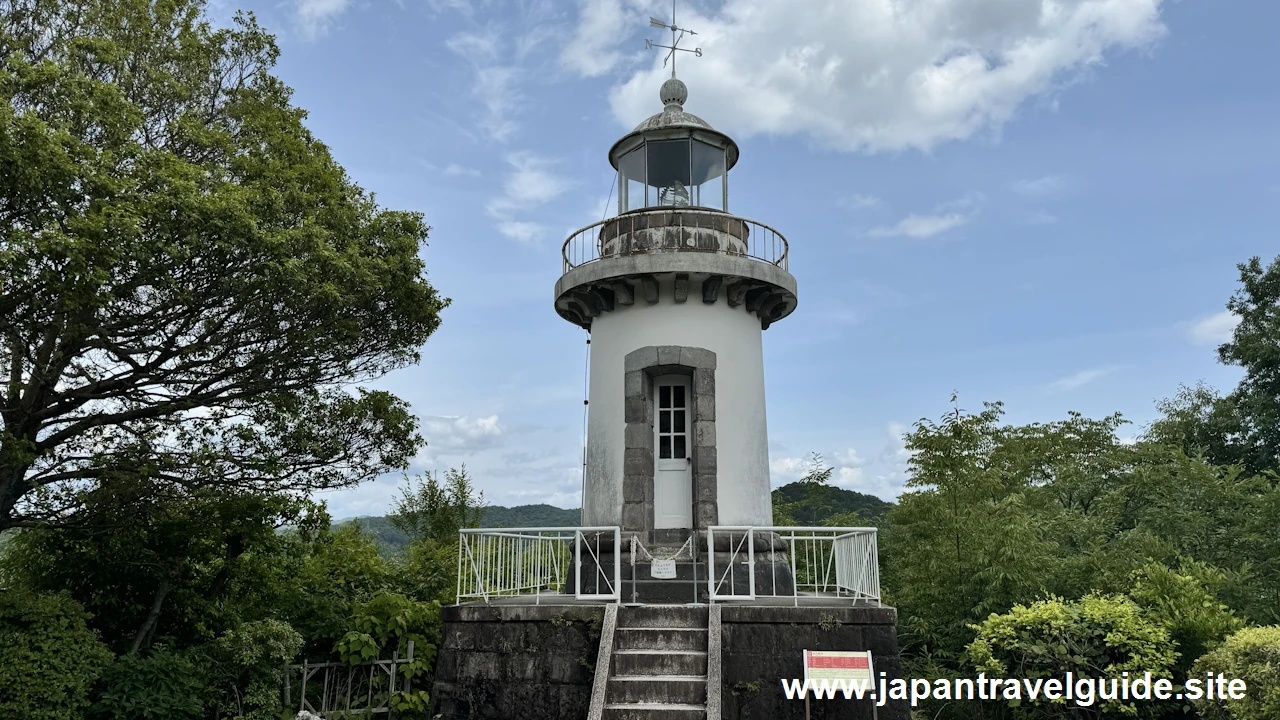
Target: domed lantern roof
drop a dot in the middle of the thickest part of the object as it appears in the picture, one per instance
(673, 158)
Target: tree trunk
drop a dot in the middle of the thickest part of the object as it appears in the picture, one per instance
(153, 615)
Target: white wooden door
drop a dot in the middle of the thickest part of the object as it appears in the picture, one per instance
(673, 453)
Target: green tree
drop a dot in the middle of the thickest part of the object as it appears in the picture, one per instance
(180, 568)
(431, 510)
(435, 508)
(188, 280)
(962, 542)
(342, 569)
(1255, 346)
(1242, 427)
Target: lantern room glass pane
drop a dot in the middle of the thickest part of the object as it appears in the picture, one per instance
(631, 187)
(708, 169)
(668, 172)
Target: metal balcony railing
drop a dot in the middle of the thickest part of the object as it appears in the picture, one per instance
(533, 563)
(817, 563)
(743, 563)
(674, 229)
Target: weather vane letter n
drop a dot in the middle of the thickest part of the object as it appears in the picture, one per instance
(677, 34)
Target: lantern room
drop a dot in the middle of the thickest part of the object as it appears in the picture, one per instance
(673, 159)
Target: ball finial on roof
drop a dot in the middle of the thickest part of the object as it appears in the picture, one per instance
(673, 94)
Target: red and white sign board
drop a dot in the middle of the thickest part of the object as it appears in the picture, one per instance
(852, 667)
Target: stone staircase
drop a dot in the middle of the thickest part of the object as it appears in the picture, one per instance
(658, 669)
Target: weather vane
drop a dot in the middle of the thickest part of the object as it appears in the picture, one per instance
(677, 34)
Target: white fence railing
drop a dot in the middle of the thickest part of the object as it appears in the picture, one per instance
(792, 562)
(537, 562)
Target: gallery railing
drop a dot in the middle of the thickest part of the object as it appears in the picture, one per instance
(533, 563)
(798, 563)
(674, 230)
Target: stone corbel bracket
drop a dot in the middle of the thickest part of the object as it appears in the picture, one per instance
(588, 291)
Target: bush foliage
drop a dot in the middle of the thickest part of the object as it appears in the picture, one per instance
(1252, 655)
(49, 658)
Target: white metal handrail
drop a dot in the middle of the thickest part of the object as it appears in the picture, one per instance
(817, 563)
(535, 562)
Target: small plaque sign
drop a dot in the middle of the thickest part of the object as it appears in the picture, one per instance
(852, 667)
(663, 569)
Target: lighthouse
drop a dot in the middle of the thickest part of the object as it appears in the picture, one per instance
(676, 291)
(702, 594)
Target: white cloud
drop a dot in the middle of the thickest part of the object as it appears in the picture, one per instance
(849, 477)
(594, 49)
(525, 232)
(1042, 218)
(788, 469)
(895, 450)
(476, 47)
(946, 217)
(1077, 380)
(921, 226)
(861, 202)
(456, 434)
(530, 184)
(850, 458)
(495, 85)
(315, 16)
(871, 75)
(1040, 187)
(463, 6)
(456, 170)
(1214, 329)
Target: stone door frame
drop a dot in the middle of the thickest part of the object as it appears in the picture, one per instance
(641, 367)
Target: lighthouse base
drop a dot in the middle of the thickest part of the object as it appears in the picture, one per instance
(503, 661)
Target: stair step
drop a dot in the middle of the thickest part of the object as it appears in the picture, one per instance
(664, 689)
(659, 662)
(661, 638)
(673, 616)
(654, 711)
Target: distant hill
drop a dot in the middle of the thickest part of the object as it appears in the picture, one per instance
(808, 505)
(391, 538)
(812, 504)
(530, 516)
(384, 533)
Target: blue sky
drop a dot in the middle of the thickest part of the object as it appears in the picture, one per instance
(1035, 201)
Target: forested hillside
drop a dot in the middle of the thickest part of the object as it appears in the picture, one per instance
(810, 503)
(387, 535)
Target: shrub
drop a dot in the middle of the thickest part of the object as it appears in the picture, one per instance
(387, 624)
(162, 685)
(249, 662)
(1098, 637)
(1252, 655)
(1189, 610)
(49, 658)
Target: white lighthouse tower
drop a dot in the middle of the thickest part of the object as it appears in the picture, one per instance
(676, 292)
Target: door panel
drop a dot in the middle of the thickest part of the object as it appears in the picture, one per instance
(673, 461)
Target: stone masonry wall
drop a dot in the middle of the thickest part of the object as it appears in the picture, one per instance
(762, 645)
(536, 660)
